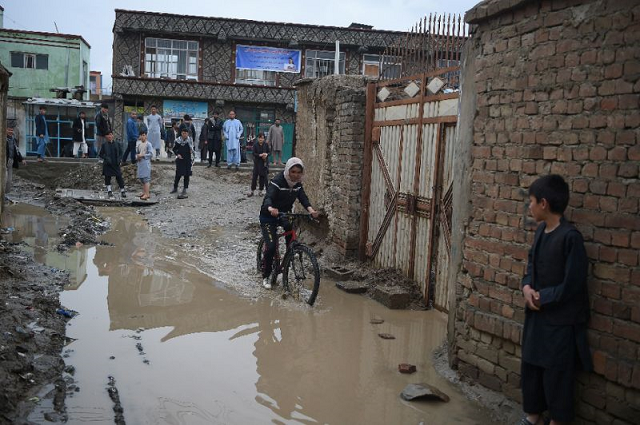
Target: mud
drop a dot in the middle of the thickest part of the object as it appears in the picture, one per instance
(170, 308)
(33, 334)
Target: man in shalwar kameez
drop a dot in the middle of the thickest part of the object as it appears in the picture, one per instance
(155, 127)
(232, 130)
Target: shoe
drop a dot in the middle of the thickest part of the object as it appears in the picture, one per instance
(237, 168)
(260, 193)
(110, 194)
(229, 167)
(183, 194)
(209, 166)
(175, 190)
(265, 283)
(218, 165)
(250, 194)
(123, 194)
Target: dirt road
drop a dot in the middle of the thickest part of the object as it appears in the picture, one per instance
(173, 326)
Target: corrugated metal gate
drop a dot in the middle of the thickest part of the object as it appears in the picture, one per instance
(406, 222)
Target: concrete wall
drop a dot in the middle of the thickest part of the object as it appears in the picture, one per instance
(330, 141)
(27, 83)
(557, 90)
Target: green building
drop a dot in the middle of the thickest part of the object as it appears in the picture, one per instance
(40, 61)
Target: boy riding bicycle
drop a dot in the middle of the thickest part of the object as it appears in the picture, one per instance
(282, 192)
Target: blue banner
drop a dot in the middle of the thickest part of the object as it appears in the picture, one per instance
(177, 108)
(268, 59)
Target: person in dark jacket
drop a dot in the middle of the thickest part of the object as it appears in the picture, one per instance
(203, 140)
(132, 139)
(142, 127)
(110, 153)
(554, 338)
(214, 136)
(42, 133)
(80, 131)
(183, 148)
(172, 134)
(188, 124)
(282, 193)
(260, 164)
(103, 126)
(14, 158)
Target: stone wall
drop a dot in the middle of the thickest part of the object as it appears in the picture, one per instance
(557, 90)
(4, 88)
(330, 140)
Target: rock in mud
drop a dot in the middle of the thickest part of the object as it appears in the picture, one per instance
(352, 287)
(338, 272)
(376, 321)
(424, 392)
(386, 336)
(406, 368)
(393, 297)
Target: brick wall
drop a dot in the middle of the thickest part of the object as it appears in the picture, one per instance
(557, 90)
(330, 141)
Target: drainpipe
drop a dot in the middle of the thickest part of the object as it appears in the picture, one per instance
(336, 67)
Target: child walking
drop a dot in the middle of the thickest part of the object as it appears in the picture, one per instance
(183, 148)
(111, 152)
(144, 153)
(554, 340)
(260, 164)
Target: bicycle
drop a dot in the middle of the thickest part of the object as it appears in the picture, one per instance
(299, 266)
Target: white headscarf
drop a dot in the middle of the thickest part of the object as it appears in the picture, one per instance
(290, 163)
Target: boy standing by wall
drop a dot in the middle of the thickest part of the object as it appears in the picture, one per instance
(554, 340)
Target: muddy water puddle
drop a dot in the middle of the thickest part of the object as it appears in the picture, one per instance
(184, 350)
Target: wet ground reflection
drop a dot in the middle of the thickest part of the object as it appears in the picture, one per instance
(184, 350)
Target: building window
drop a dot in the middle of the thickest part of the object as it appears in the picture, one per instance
(175, 59)
(320, 63)
(29, 60)
(93, 85)
(381, 65)
(256, 77)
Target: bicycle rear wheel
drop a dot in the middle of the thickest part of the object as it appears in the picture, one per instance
(301, 274)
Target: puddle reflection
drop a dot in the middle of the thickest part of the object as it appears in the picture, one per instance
(38, 230)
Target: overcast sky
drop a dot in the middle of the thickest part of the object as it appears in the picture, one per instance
(93, 19)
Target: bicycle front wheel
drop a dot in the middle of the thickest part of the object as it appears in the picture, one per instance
(301, 274)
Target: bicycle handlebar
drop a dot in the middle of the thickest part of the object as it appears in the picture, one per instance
(298, 215)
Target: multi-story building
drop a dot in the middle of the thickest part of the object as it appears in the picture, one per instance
(95, 84)
(191, 64)
(39, 63)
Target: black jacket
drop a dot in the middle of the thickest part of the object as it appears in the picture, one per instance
(214, 133)
(556, 335)
(77, 129)
(183, 166)
(281, 196)
(111, 154)
(103, 124)
(191, 128)
(41, 125)
(17, 156)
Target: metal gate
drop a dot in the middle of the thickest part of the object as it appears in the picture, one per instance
(409, 141)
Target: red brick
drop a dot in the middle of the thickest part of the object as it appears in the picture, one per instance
(609, 103)
(599, 362)
(623, 221)
(616, 274)
(618, 153)
(601, 323)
